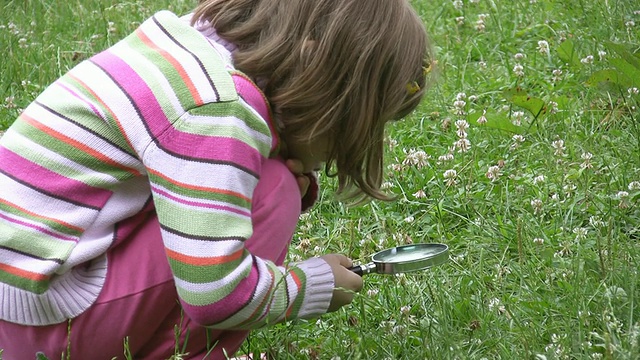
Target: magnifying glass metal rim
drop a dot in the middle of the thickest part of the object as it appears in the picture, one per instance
(380, 266)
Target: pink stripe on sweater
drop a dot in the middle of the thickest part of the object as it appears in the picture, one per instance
(82, 99)
(51, 183)
(190, 146)
(254, 97)
(219, 311)
(200, 204)
(39, 228)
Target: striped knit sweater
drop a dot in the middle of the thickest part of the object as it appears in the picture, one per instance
(161, 119)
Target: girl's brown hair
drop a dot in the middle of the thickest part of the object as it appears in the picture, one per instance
(336, 68)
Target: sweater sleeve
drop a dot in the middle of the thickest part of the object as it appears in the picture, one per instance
(203, 170)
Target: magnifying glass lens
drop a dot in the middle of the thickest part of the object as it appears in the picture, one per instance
(407, 254)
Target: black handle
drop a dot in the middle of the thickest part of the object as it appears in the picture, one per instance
(357, 269)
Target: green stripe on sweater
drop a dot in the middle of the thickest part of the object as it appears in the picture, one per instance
(39, 245)
(200, 194)
(70, 152)
(202, 222)
(37, 287)
(61, 228)
(208, 297)
(202, 274)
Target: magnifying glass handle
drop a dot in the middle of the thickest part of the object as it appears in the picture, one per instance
(364, 269)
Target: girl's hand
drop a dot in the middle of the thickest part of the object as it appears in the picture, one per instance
(297, 168)
(346, 282)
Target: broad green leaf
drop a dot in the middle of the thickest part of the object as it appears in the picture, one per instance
(627, 69)
(608, 77)
(495, 121)
(567, 52)
(628, 56)
(519, 97)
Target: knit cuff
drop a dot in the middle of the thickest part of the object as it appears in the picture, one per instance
(318, 289)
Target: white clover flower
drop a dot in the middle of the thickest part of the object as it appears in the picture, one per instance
(22, 43)
(586, 160)
(517, 140)
(482, 119)
(395, 167)
(386, 185)
(462, 125)
(372, 292)
(557, 75)
(459, 104)
(538, 241)
(493, 303)
(460, 20)
(553, 107)
(537, 206)
(518, 70)
(622, 195)
(558, 146)
(519, 56)
(538, 179)
(420, 194)
(517, 117)
(602, 54)
(445, 157)
(630, 24)
(480, 26)
(10, 104)
(596, 222)
(451, 177)
(461, 96)
(633, 91)
(446, 124)
(417, 158)
(493, 173)
(111, 27)
(458, 4)
(482, 65)
(587, 60)
(569, 189)
(483, 17)
(405, 310)
(634, 185)
(463, 144)
(543, 47)
(581, 233)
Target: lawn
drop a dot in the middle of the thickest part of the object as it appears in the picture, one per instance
(524, 158)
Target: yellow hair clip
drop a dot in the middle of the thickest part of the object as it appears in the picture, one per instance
(413, 87)
(426, 70)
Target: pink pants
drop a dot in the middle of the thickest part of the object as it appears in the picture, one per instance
(139, 301)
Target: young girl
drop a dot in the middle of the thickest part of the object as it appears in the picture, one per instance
(144, 189)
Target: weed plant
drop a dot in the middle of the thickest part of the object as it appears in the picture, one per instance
(524, 158)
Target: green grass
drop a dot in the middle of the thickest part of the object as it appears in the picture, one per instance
(544, 257)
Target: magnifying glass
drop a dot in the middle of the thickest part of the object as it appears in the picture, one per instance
(406, 258)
